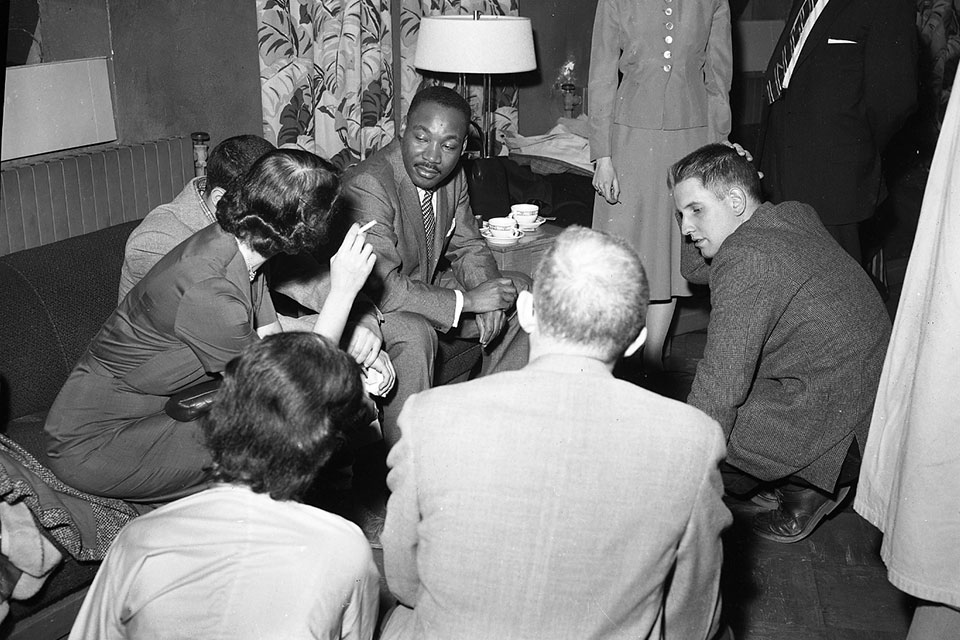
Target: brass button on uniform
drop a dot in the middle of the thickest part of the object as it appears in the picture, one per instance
(667, 54)
(669, 26)
(668, 11)
(668, 39)
(667, 68)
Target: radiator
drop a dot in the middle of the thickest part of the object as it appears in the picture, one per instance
(58, 199)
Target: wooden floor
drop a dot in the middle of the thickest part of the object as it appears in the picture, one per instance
(831, 586)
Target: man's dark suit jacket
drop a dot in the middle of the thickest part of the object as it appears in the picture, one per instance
(852, 88)
(795, 345)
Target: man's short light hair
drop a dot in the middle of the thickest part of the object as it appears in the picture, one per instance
(590, 289)
(718, 167)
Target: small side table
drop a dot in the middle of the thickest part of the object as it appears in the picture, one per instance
(525, 255)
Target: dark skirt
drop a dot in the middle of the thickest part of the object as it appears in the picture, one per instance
(107, 439)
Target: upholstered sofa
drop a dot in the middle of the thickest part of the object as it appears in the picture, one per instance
(54, 299)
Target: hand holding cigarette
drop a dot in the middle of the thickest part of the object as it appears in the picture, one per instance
(352, 263)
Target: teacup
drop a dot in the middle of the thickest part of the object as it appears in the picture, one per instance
(502, 227)
(524, 213)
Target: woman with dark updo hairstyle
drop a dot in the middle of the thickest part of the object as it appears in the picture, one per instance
(109, 432)
(285, 203)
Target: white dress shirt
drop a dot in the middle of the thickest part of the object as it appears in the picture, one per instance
(457, 292)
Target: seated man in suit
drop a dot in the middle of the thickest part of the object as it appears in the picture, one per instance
(434, 271)
(795, 343)
(245, 558)
(557, 501)
(300, 279)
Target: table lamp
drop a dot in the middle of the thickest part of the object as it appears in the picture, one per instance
(476, 44)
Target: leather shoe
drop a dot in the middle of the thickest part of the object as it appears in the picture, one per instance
(766, 498)
(801, 510)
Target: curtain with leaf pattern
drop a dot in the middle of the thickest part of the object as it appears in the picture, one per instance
(328, 75)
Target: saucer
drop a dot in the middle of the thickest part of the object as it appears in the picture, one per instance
(501, 242)
(530, 227)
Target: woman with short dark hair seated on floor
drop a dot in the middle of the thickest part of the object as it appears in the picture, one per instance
(110, 431)
(243, 558)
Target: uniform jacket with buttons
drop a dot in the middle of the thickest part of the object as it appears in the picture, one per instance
(675, 57)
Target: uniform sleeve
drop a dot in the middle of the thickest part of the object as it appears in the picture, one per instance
(602, 84)
(692, 609)
(718, 73)
(390, 288)
(743, 297)
(214, 321)
(890, 62)
(403, 515)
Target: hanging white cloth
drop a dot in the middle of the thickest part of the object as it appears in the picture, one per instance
(910, 477)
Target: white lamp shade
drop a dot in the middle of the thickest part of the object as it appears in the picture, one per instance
(463, 44)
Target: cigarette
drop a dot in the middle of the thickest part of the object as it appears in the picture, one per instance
(367, 226)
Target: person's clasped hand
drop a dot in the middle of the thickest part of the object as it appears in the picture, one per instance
(364, 345)
(488, 300)
(496, 293)
(379, 377)
(490, 325)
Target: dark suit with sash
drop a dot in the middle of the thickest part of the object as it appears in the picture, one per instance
(854, 84)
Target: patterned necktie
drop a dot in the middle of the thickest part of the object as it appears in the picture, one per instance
(775, 84)
(429, 222)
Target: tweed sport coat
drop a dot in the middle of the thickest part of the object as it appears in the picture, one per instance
(795, 345)
(402, 279)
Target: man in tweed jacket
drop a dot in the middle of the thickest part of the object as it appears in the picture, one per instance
(795, 343)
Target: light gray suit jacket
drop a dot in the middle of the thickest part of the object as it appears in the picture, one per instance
(555, 502)
(402, 279)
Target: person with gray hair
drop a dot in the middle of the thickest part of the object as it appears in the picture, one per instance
(557, 501)
(592, 293)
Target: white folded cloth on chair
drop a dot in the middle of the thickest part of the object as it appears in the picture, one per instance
(566, 142)
(27, 549)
